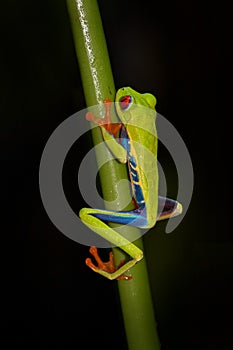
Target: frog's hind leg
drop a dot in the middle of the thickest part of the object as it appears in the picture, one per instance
(168, 208)
(92, 218)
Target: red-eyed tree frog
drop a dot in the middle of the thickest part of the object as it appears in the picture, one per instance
(136, 145)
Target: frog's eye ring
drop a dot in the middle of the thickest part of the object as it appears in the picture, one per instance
(125, 102)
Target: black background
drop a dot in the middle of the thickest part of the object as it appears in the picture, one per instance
(50, 300)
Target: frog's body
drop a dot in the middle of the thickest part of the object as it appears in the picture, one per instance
(143, 172)
(138, 146)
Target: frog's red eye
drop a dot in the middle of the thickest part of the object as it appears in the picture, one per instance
(125, 102)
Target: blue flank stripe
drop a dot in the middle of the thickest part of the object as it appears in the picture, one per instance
(138, 194)
(124, 139)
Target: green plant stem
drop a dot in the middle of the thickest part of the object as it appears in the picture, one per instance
(98, 84)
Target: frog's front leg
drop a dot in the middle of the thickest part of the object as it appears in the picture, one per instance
(110, 132)
(90, 218)
(106, 122)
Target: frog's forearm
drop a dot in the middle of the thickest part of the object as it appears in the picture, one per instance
(115, 147)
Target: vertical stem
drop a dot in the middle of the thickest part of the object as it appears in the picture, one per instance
(98, 84)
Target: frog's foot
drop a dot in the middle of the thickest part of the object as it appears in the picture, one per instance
(108, 266)
(112, 128)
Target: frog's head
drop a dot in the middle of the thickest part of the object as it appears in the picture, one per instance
(129, 103)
